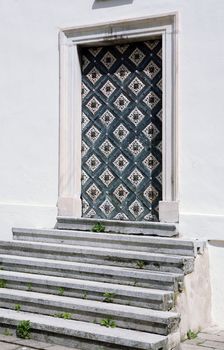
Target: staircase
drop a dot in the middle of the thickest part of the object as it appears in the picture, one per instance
(105, 290)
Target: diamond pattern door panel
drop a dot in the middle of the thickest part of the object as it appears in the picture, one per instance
(122, 131)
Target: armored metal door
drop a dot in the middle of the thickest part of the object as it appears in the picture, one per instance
(122, 131)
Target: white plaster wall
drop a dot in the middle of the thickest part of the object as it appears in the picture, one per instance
(194, 302)
(216, 257)
(29, 96)
(29, 104)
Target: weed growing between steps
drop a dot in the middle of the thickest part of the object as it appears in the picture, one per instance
(98, 227)
(29, 287)
(108, 297)
(3, 284)
(61, 291)
(191, 334)
(85, 295)
(64, 315)
(23, 329)
(140, 264)
(107, 322)
(17, 307)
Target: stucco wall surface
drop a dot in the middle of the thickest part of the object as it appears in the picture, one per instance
(29, 107)
(29, 98)
(194, 303)
(216, 259)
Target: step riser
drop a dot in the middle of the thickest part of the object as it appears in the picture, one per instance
(162, 248)
(163, 266)
(126, 227)
(119, 230)
(93, 276)
(94, 316)
(163, 304)
(52, 335)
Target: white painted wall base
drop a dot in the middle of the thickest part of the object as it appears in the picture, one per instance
(202, 226)
(216, 258)
(194, 303)
(22, 215)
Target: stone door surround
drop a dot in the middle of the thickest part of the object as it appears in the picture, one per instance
(70, 40)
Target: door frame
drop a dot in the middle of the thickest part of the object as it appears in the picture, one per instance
(70, 39)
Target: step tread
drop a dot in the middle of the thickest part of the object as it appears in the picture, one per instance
(119, 336)
(138, 255)
(107, 236)
(178, 246)
(106, 269)
(122, 223)
(89, 305)
(96, 286)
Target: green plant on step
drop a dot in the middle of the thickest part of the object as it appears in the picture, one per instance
(107, 322)
(191, 334)
(17, 307)
(29, 286)
(85, 295)
(108, 297)
(23, 329)
(98, 227)
(61, 291)
(140, 264)
(64, 315)
(7, 332)
(3, 283)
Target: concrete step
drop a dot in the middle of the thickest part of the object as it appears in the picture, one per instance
(103, 256)
(110, 240)
(124, 316)
(84, 335)
(116, 226)
(93, 272)
(90, 290)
